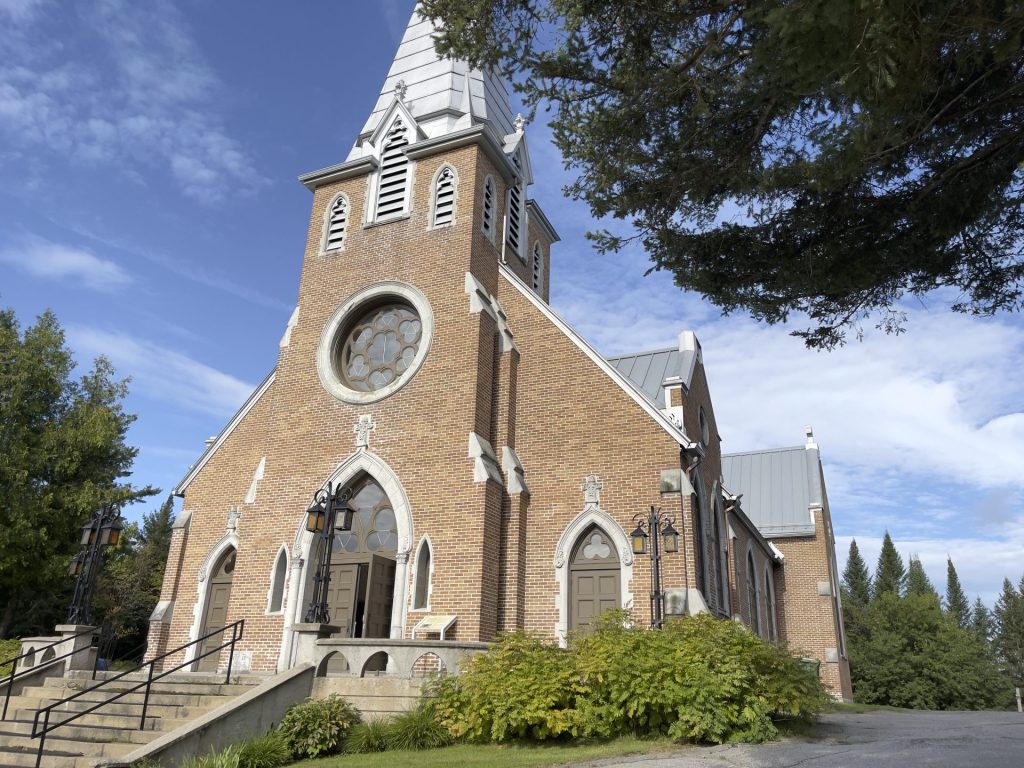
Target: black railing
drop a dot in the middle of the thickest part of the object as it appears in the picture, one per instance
(13, 675)
(40, 732)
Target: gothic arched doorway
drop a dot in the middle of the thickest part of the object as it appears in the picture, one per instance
(360, 595)
(215, 615)
(594, 578)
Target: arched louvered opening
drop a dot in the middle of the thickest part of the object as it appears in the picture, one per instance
(444, 197)
(337, 224)
(394, 173)
(514, 233)
(488, 216)
(538, 269)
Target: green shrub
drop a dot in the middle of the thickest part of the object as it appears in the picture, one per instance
(9, 649)
(698, 679)
(370, 736)
(523, 688)
(318, 727)
(266, 751)
(226, 759)
(418, 729)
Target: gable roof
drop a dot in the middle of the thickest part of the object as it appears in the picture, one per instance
(779, 487)
(648, 371)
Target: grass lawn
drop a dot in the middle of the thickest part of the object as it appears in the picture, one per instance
(497, 756)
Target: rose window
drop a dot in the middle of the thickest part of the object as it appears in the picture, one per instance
(380, 347)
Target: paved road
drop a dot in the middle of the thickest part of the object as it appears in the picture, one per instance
(874, 740)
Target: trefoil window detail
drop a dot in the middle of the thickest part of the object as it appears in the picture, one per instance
(444, 197)
(394, 173)
(337, 223)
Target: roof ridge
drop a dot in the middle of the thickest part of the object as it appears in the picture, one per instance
(645, 352)
(766, 450)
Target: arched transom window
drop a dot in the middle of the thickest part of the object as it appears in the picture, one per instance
(374, 527)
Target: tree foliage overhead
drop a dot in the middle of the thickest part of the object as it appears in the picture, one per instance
(824, 158)
(62, 454)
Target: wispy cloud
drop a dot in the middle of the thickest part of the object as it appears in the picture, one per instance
(20, 10)
(163, 374)
(138, 94)
(53, 261)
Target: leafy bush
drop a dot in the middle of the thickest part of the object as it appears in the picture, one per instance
(267, 751)
(523, 688)
(369, 736)
(318, 727)
(418, 729)
(226, 759)
(698, 679)
(9, 649)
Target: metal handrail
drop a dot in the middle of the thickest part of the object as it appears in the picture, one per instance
(40, 733)
(14, 662)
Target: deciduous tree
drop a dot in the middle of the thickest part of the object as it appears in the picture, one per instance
(824, 159)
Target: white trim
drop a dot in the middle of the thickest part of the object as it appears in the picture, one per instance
(352, 307)
(433, 196)
(228, 541)
(591, 515)
(235, 421)
(424, 542)
(284, 587)
(625, 384)
(365, 461)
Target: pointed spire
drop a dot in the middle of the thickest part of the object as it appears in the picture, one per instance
(443, 95)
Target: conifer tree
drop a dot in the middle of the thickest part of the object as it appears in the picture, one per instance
(1009, 635)
(918, 582)
(981, 621)
(856, 579)
(956, 601)
(890, 573)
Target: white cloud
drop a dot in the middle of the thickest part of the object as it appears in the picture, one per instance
(52, 261)
(137, 92)
(20, 10)
(162, 374)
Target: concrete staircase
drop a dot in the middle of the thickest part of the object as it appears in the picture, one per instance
(113, 731)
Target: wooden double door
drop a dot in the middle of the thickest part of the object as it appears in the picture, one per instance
(360, 596)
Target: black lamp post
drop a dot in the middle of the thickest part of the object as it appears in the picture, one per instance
(656, 527)
(322, 520)
(103, 530)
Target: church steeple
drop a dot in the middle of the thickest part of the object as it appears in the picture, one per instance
(442, 95)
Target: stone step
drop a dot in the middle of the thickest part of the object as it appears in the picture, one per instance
(115, 721)
(122, 709)
(169, 685)
(51, 759)
(70, 745)
(79, 732)
(37, 697)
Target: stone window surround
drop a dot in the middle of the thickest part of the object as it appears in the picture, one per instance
(353, 308)
(282, 552)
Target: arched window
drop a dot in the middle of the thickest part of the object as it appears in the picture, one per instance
(769, 592)
(720, 553)
(516, 214)
(444, 196)
(700, 542)
(394, 173)
(421, 590)
(277, 582)
(538, 269)
(487, 227)
(753, 595)
(337, 223)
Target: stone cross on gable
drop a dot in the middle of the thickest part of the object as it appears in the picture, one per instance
(233, 516)
(363, 428)
(400, 90)
(591, 488)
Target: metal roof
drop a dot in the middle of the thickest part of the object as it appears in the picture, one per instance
(649, 370)
(779, 487)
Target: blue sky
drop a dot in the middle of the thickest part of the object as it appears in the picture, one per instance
(149, 154)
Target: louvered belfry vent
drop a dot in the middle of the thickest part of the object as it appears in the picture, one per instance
(394, 173)
(444, 198)
(336, 225)
(515, 212)
(488, 225)
(538, 267)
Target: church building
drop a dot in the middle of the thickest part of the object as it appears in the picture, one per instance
(496, 464)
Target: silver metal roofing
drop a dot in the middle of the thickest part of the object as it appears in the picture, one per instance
(437, 85)
(649, 370)
(779, 487)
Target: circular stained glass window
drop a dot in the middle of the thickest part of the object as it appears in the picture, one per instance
(379, 347)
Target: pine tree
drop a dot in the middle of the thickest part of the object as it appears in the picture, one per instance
(856, 579)
(1009, 636)
(981, 621)
(918, 582)
(956, 601)
(890, 573)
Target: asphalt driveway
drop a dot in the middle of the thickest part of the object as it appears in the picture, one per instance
(873, 740)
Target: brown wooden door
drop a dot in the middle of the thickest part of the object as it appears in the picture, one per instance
(380, 595)
(593, 578)
(216, 614)
(341, 596)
